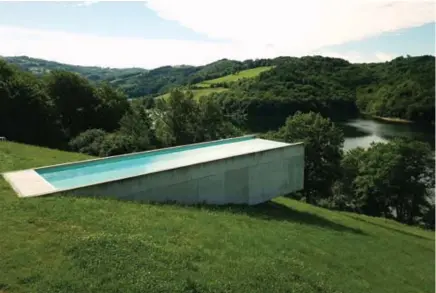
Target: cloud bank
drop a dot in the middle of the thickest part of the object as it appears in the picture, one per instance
(236, 30)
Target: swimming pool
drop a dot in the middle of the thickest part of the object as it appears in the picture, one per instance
(241, 170)
(112, 168)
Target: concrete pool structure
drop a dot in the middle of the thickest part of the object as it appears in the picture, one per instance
(241, 170)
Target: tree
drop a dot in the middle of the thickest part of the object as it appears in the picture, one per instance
(391, 179)
(180, 119)
(214, 123)
(323, 143)
(112, 106)
(75, 101)
(117, 144)
(177, 119)
(137, 124)
(26, 111)
(88, 142)
(343, 192)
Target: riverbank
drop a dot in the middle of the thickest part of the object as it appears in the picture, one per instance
(391, 119)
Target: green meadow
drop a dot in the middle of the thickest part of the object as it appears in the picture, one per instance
(249, 73)
(68, 244)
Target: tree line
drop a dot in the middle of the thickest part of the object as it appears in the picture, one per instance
(393, 180)
(64, 110)
(403, 88)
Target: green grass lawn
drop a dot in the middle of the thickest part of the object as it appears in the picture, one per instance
(249, 73)
(68, 244)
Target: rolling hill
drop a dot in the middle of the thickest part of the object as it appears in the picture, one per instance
(68, 244)
(399, 89)
(249, 73)
(93, 73)
(138, 82)
(211, 86)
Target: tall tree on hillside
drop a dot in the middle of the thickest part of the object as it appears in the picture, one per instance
(113, 104)
(75, 101)
(323, 151)
(26, 112)
(137, 123)
(180, 119)
(177, 119)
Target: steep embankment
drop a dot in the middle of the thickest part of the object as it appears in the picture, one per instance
(65, 244)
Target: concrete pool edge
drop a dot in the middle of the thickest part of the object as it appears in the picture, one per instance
(35, 185)
(45, 188)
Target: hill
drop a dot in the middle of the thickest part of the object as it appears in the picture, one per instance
(402, 89)
(93, 73)
(199, 92)
(68, 244)
(221, 84)
(249, 73)
(137, 82)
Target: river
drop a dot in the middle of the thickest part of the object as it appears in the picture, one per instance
(362, 132)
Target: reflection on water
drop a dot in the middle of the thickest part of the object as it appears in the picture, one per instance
(362, 132)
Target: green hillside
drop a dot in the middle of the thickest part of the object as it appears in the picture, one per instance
(67, 244)
(200, 92)
(138, 82)
(204, 88)
(249, 73)
(94, 73)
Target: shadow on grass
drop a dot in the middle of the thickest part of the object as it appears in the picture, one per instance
(390, 228)
(272, 211)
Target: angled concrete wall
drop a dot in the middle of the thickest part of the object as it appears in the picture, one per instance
(246, 179)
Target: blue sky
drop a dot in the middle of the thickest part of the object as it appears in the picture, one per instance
(169, 32)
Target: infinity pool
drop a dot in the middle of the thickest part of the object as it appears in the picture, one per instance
(113, 168)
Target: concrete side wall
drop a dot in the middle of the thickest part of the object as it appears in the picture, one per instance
(247, 179)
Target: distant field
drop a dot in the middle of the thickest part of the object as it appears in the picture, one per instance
(249, 73)
(199, 92)
(205, 85)
(68, 244)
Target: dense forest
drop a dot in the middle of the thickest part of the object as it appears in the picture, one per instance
(402, 88)
(297, 99)
(136, 82)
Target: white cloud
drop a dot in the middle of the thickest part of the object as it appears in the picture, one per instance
(84, 49)
(300, 26)
(359, 57)
(86, 3)
(384, 56)
(251, 29)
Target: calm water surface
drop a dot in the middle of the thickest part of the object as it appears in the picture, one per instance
(362, 132)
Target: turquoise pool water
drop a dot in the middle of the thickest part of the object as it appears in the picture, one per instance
(86, 173)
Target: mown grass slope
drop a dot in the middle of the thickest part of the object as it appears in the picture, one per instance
(204, 88)
(67, 244)
(249, 73)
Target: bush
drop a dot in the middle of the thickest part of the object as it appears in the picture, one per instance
(117, 144)
(88, 142)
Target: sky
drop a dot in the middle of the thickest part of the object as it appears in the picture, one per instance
(155, 33)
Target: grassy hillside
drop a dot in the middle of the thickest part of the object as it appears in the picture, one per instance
(204, 89)
(200, 92)
(249, 73)
(138, 82)
(67, 244)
